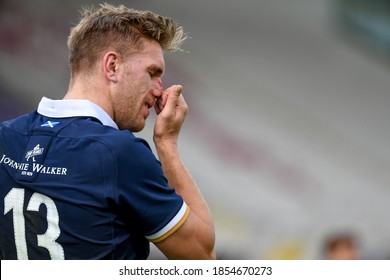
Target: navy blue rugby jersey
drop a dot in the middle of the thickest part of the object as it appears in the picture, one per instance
(73, 186)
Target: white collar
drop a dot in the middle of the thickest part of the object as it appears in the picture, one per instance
(74, 108)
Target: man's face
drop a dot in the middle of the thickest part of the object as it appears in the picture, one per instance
(139, 86)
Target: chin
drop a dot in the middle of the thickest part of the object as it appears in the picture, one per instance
(137, 128)
(132, 125)
(132, 128)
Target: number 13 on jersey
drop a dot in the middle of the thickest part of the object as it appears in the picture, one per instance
(14, 201)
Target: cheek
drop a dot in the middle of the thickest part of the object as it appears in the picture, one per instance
(132, 103)
(124, 101)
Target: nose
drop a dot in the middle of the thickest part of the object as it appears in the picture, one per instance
(159, 88)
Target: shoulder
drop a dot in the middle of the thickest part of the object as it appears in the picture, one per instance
(20, 123)
(122, 144)
(89, 128)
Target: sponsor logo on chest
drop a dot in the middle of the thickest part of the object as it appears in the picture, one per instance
(29, 169)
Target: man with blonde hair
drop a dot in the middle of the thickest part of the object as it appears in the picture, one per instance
(93, 190)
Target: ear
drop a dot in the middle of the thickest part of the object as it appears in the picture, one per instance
(111, 66)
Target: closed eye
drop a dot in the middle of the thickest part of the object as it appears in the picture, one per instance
(155, 71)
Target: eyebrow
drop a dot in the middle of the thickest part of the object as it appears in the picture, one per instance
(156, 70)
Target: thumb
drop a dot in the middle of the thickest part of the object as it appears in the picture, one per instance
(173, 97)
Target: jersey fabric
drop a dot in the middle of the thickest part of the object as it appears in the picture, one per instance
(73, 186)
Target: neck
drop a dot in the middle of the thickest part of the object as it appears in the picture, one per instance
(90, 89)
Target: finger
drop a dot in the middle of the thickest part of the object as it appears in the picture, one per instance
(170, 95)
(160, 102)
(174, 93)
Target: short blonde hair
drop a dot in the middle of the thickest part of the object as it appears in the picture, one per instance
(120, 29)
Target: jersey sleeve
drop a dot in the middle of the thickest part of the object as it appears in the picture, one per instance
(172, 226)
(150, 206)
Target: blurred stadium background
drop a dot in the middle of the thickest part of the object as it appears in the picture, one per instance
(289, 125)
